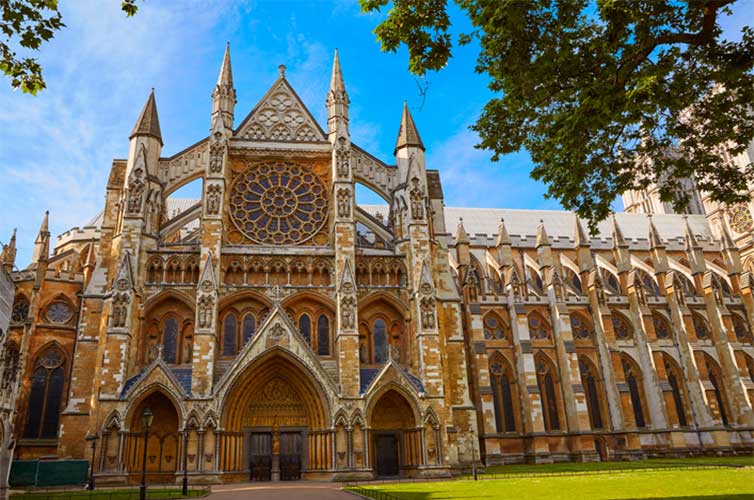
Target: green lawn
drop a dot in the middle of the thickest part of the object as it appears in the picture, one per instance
(111, 494)
(689, 484)
(571, 467)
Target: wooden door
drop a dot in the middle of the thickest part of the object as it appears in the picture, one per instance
(386, 446)
(261, 456)
(290, 456)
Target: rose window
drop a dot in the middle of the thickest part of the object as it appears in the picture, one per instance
(59, 312)
(278, 204)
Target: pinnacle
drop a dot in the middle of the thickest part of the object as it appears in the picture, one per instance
(226, 72)
(618, 240)
(542, 238)
(461, 234)
(336, 80)
(408, 135)
(148, 122)
(655, 240)
(503, 238)
(582, 240)
(45, 227)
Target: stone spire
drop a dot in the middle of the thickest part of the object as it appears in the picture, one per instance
(618, 240)
(583, 247)
(657, 247)
(620, 249)
(461, 234)
(224, 95)
(408, 135)
(730, 250)
(694, 250)
(655, 240)
(580, 237)
(542, 238)
(503, 238)
(42, 243)
(148, 122)
(337, 102)
(8, 255)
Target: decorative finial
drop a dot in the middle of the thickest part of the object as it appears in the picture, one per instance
(281, 69)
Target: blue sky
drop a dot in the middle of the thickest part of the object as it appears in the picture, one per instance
(56, 148)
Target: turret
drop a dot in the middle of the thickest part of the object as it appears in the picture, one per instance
(8, 255)
(146, 136)
(224, 95)
(337, 103)
(42, 243)
(409, 149)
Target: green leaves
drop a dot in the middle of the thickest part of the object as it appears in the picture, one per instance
(27, 24)
(607, 96)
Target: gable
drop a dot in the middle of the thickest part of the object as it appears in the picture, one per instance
(280, 116)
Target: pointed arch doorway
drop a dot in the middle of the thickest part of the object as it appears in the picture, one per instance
(276, 423)
(396, 440)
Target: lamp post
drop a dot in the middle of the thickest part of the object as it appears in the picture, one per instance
(146, 420)
(92, 438)
(184, 491)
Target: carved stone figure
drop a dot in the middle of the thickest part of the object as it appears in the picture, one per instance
(216, 153)
(344, 203)
(428, 313)
(342, 161)
(347, 314)
(205, 311)
(135, 192)
(213, 199)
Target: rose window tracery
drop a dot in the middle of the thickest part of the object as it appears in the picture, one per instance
(740, 219)
(59, 312)
(279, 203)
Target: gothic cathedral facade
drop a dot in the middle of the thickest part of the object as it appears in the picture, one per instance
(276, 329)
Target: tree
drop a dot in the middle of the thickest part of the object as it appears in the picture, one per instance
(606, 96)
(28, 24)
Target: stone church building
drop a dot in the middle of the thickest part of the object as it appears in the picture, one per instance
(278, 330)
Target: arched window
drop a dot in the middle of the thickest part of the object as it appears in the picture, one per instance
(20, 309)
(535, 283)
(547, 394)
(701, 327)
(589, 381)
(45, 395)
(170, 340)
(742, 330)
(305, 327)
(674, 376)
(750, 366)
(249, 327)
(494, 327)
(9, 362)
(621, 326)
(574, 282)
(502, 397)
(632, 380)
(229, 335)
(323, 336)
(581, 327)
(661, 325)
(539, 328)
(611, 282)
(379, 333)
(715, 378)
(650, 285)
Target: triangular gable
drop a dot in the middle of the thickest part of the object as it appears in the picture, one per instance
(277, 332)
(280, 116)
(158, 372)
(391, 372)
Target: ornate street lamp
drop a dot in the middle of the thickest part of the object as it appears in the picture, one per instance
(92, 438)
(184, 492)
(146, 420)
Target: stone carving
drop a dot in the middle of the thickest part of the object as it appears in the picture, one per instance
(119, 317)
(344, 203)
(342, 159)
(277, 332)
(417, 201)
(428, 313)
(214, 192)
(206, 311)
(516, 286)
(216, 154)
(136, 191)
(557, 285)
(347, 313)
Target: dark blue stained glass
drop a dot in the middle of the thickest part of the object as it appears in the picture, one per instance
(380, 341)
(323, 336)
(170, 340)
(552, 403)
(249, 327)
(52, 406)
(305, 327)
(229, 335)
(36, 403)
(633, 389)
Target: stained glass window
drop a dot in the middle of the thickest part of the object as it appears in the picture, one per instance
(701, 327)
(677, 399)
(323, 336)
(170, 340)
(229, 335)
(305, 327)
(249, 327)
(380, 341)
(502, 399)
(592, 395)
(712, 371)
(280, 203)
(59, 312)
(621, 327)
(45, 395)
(633, 389)
(580, 327)
(20, 309)
(739, 326)
(662, 327)
(538, 327)
(494, 328)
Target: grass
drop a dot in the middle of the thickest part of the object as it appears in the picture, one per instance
(706, 484)
(112, 494)
(707, 478)
(659, 463)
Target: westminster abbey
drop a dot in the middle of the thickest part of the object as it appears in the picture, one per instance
(278, 330)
